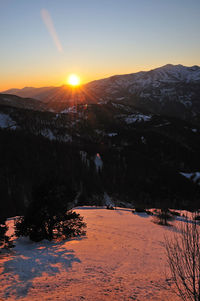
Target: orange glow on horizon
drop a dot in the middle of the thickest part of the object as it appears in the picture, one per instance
(46, 78)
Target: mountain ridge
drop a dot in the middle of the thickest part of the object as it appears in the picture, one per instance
(172, 90)
(166, 66)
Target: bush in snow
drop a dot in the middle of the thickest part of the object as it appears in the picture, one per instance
(4, 239)
(48, 216)
(163, 216)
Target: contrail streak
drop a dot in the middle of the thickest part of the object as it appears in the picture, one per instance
(51, 29)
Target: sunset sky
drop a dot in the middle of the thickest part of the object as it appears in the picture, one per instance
(42, 42)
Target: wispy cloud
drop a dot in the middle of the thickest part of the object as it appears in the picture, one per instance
(46, 17)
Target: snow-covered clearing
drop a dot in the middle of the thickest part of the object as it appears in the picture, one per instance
(121, 258)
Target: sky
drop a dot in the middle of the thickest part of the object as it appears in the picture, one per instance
(43, 41)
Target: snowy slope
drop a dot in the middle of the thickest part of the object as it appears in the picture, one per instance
(122, 258)
(172, 90)
(154, 78)
(6, 121)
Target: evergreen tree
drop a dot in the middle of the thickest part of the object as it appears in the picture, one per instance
(49, 215)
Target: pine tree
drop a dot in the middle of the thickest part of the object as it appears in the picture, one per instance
(49, 215)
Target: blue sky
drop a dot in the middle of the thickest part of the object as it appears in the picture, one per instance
(99, 38)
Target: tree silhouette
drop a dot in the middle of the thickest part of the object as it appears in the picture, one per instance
(49, 215)
(4, 239)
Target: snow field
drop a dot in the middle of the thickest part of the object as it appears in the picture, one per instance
(121, 258)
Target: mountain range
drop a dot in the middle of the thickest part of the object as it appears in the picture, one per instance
(172, 90)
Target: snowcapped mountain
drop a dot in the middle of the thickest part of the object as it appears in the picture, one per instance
(172, 90)
(168, 74)
(155, 78)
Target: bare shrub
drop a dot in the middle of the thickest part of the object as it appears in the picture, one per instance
(183, 256)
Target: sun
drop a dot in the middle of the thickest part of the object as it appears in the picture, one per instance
(73, 80)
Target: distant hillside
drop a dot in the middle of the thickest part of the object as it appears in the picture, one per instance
(30, 92)
(19, 102)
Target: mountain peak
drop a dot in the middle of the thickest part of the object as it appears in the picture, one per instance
(178, 67)
(171, 67)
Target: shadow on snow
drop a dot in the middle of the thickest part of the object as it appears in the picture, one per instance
(31, 260)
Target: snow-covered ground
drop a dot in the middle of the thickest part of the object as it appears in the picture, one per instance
(121, 258)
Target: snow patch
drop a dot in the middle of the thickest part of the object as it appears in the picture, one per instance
(84, 158)
(194, 176)
(102, 102)
(162, 124)
(72, 109)
(48, 134)
(6, 121)
(98, 162)
(108, 201)
(137, 118)
(143, 140)
(112, 134)
(66, 138)
(120, 98)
